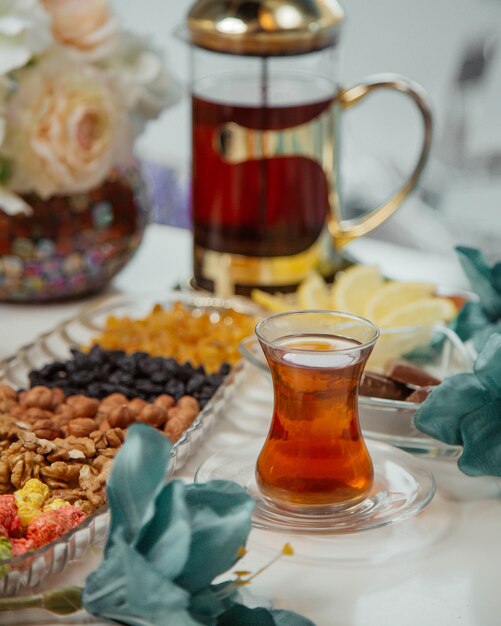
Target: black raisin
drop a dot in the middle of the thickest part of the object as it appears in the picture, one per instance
(170, 366)
(225, 369)
(95, 390)
(206, 392)
(159, 377)
(175, 388)
(127, 364)
(185, 372)
(215, 380)
(83, 377)
(195, 383)
(148, 387)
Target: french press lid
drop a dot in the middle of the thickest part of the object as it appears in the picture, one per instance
(264, 27)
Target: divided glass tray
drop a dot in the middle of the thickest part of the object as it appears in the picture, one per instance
(29, 570)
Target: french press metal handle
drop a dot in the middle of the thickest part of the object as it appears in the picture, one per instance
(314, 140)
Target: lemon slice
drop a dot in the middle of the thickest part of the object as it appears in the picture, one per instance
(422, 312)
(275, 302)
(354, 287)
(313, 293)
(393, 296)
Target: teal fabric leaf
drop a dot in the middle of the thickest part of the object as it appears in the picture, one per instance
(481, 336)
(288, 618)
(167, 543)
(240, 615)
(208, 604)
(496, 276)
(125, 589)
(471, 319)
(150, 593)
(221, 522)
(165, 540)
(483, 279)
(487, 367)
(466, 410)
(479, 320)
(482, 442)
(438, 415)
(139, 472)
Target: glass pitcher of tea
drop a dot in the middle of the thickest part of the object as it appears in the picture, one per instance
(266, 109)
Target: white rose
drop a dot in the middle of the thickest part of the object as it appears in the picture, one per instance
(87, 26)
(25, 31)
(66, 127)
(142, 77)
(12, 204)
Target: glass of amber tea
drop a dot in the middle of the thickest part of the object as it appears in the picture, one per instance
(314, 459)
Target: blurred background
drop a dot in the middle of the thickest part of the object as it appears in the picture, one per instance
(451, 47)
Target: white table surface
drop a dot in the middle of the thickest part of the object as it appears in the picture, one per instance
(441, 567)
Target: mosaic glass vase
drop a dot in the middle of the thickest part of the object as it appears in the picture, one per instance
(71, 246)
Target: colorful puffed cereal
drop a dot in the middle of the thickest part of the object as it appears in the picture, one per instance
(10, 522)
(27, 523)
(30, 500)
(53, 523)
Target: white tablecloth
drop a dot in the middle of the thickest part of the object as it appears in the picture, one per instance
(439, 567)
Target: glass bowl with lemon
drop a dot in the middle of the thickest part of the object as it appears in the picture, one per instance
(416, 349)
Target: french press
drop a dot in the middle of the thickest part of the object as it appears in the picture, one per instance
(266, 110)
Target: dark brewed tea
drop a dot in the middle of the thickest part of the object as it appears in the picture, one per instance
(263, 207)
(314, 454)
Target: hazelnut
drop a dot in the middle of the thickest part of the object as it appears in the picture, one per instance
(137, 405)
(178, 413)
(174, 428)
(47, 429)
(83, 405)
(153, 415)
(18, 411)
(7, 393)
(175, 412)
(165, 401)
(7, 404)
(36, 414)
(38, 396)
(189, 404)
(81, 426)
(114, 399)
(104, 425)
(57, 397)
(103, 411)
(121, 416)
(64, 413)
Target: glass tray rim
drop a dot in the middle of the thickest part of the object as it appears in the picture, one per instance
(181, 450)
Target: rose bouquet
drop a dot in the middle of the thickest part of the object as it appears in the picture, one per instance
(75, 92)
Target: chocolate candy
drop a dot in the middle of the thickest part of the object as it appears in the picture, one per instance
(419, 395)
(401, 381)
(410, 375)
(379, 386)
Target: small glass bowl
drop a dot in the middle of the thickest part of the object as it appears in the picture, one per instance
(392, 421)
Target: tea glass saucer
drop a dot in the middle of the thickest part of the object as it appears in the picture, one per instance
(403, 486)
